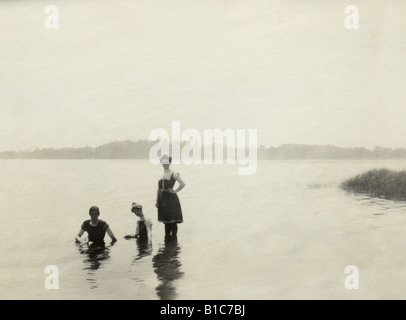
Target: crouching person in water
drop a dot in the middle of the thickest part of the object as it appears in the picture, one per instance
(143, 231)
(96, 229)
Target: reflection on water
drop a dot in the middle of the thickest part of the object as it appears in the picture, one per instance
(382, 206)
(94, 256)
(144, 248)
(167, 267)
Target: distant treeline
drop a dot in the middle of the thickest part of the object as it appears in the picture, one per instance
(140, 150)
(297, 151)
(113, 150)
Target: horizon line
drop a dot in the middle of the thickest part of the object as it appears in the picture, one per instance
(203, 144)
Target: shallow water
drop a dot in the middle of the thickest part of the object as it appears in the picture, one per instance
(287, 232)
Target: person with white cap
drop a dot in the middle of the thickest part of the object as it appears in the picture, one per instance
(143, 230)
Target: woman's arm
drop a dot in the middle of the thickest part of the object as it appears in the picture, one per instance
(137, 230)
(182, 184)
(157, 198)
(78, 237)
(148, 224)
(110, 233)
(131, 236)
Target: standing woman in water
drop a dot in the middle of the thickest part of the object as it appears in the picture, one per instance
(167, 202)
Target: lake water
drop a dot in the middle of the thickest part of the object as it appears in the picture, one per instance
(287, 232)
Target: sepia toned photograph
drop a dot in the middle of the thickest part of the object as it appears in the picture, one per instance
(172, 150)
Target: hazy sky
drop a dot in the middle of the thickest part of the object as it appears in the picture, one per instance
(117, 69)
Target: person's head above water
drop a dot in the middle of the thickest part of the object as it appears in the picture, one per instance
(166, 161)
(94, 211)
(136, 208)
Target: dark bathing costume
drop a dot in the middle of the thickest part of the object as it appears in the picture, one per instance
(142, 230)
(169, 209)
(97, 232)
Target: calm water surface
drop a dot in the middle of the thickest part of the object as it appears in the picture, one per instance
(287, 232)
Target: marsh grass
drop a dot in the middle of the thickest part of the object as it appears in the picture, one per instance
(379, 183)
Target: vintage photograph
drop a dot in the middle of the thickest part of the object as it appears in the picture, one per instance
(202, 150)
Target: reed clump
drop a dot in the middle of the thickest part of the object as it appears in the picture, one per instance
(382, 183)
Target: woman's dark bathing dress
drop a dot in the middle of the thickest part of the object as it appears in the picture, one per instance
(96, 233)
(142, 230)
(169, 209)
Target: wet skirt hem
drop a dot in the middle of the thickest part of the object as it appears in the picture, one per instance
(170, 221)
